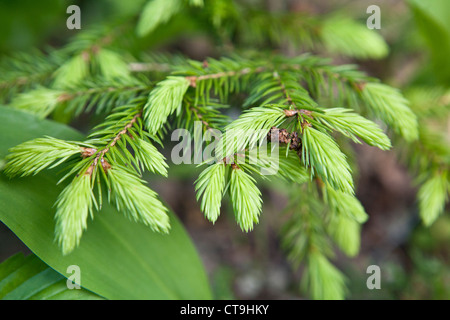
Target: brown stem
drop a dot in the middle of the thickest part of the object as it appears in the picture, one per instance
(69, 96)
(290, 112)
(101, 154)
(146, 67)
(193, 79)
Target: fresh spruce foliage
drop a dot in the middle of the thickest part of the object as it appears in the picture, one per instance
(429, 158)
(353, 125)
(389, 105)
(433, 195)
(210, 186)
(322, 154)
(164, 100)
(44, 153)
(306, 103)
(73, 207)
(246, 198)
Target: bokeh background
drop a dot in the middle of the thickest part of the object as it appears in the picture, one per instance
(414, 260)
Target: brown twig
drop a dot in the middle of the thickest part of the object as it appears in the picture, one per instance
(146, 67)
(69, 96)
(99, 157)
(193, 79)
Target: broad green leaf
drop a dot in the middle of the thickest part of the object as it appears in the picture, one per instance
(118, 258)
(29, 278)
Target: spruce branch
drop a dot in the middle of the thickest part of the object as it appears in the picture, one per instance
(125, 128)
(39, 101)
(389, 105)
(431, 153)
(325, 281)
(210, 187)
(31, 157)
(282, 95)
(291, 169)
(136, 200)
(245, 197)
(72, 72)
(164, 99)
(295, 95)
(346, 234)
(386, 103)
(79, 67)
(353, 125)
(73, 207)
(220, 77)
(322, 153)
(193, 80)
(344, 205)
(304, 228)
(249, 129)
(422, 97)
(100, 94)
(131, 196)
(211, 116)
(279, 87)
(149, 157)
(286, 164)
(304, 235)
(25, 70)
(347, 85)
(158, 64)
(101, 153)
(288, 97)
(433, 195)
(345, 216)
(247, 24)
(149, 67)
(91, 55)
(112, 65)
(100, 158)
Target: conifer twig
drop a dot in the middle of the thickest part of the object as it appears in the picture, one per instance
(193, 79)
(101, 153)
